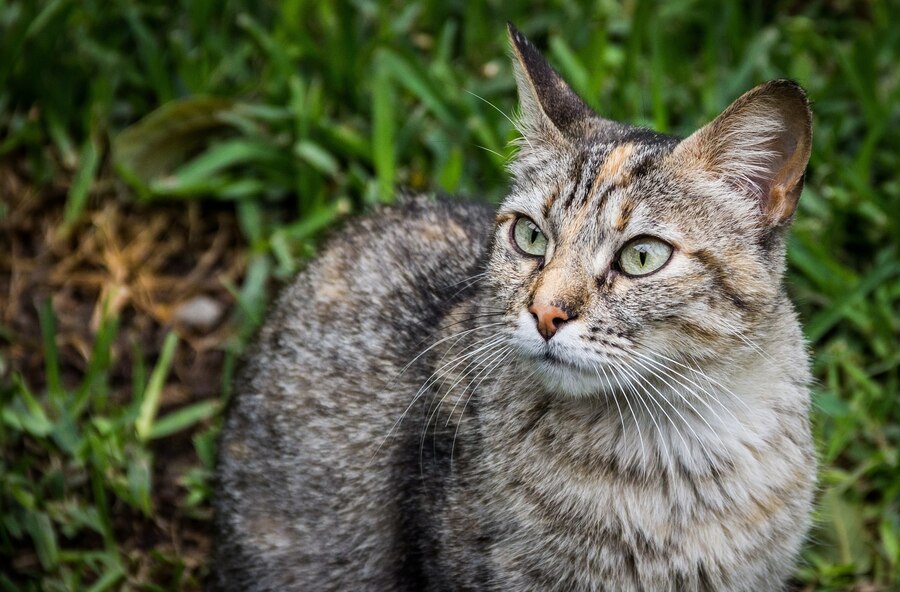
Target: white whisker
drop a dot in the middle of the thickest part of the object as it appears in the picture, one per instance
(665, 399)
(487, 365)
(508, 118)
(437, 343)
(683, 398)
(662, 441)
(509, 352)
(429, 381)
(474, 364)
(708, 378)
(613, 395)
(681, 378)
(749, 342)
(633, 414)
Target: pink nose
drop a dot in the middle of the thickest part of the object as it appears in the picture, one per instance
(549, 318)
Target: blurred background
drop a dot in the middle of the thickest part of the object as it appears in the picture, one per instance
(165, 167)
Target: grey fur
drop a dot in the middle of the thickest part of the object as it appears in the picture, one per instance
(400, 425)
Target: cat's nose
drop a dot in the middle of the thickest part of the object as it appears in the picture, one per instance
(549, 318)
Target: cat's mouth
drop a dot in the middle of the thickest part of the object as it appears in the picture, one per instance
(562, 375)
(559, 371)
(559, 363)
(550, 358)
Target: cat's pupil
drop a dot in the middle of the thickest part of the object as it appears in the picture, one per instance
(642, 255)
(534, 235)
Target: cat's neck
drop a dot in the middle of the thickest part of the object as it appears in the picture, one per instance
(706, 422)
(667, 412)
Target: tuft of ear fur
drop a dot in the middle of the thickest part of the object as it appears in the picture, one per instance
(759, 146)
(550, 109)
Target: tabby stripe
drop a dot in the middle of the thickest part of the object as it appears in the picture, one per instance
(625, 212)
(642, 167)
(549, 201)
(720, 278)
(580, 162)
(614, 165)
(613, 173)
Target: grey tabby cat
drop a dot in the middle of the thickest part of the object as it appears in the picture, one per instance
(602, 386)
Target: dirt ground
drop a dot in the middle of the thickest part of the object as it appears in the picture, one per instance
(157, 267)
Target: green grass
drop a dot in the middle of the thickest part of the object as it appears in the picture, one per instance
(292, 116)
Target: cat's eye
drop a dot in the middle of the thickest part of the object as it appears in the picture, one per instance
(643, 256)
(529, 239)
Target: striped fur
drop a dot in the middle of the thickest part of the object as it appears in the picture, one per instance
(401, 425)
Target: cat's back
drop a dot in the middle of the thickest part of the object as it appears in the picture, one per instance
(321, 390)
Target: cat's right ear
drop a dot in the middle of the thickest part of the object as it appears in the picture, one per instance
(758, 147)
(550, 110)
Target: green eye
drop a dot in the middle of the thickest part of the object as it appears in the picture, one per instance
(644, 255)
(529, 238)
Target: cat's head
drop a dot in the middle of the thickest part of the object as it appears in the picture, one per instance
(619, 247)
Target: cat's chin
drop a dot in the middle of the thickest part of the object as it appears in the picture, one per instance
(568, 380)
(556, 364)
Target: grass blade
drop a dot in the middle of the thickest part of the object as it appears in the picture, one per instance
(183, 418)
(150, 404)
(383, 130)
(51, 353)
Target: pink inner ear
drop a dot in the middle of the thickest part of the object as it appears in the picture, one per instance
(772, 177)
(749, 182)
(759, 146)
(784, 192)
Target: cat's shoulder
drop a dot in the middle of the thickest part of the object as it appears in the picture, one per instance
(415, 232)
(403, 252)
(416, 220)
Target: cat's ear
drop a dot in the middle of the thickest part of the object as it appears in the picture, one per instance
(550, 109)
(759, 146)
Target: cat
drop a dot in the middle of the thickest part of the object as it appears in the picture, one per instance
(600, 386)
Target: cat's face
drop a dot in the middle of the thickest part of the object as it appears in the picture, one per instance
(619, 249)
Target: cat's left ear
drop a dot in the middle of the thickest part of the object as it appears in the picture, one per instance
(550, 109)
(759, 146)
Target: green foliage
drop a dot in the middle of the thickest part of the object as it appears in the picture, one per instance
(299, 113)
(71, 458)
